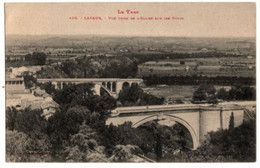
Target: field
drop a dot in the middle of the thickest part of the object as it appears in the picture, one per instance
(175, 92)
(211, 67)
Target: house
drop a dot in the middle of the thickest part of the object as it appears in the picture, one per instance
(39, 92)
(49, 108)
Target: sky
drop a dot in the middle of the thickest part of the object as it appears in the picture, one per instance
(199, 19)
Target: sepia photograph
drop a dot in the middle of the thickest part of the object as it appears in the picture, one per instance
(130, 82)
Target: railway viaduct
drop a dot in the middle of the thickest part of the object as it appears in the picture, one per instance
(113, 86)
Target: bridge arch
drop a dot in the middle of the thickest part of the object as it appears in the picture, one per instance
(98, 90)
(125, 85)
(113, 86)
(108, 85)
(134, 84)
(105, 89)
(195, 140)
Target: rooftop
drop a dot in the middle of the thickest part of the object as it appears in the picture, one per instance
(13, 79)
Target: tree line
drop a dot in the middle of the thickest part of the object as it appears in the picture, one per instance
(207, 93)
(36, 58)
(197, 80)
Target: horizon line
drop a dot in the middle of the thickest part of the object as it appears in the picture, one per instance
(129, 35)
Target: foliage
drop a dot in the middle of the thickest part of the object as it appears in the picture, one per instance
(48, 87)
(231, 122)
(236, 145)
(80, 68)
(205, 93)
(112, 135)
(93, 67)
(22, 148)
(78, 105)
(16, 146)
(163, 140)
(124, 153)
(31, 122)
(65, 123)
(151, 137)
(84, 148)
(237, 92)
(36, 58)
(11, 117)
(73, 94)
(78, 135)
(101, 103)
(82, 94)
(135, 96)
(77, 132)
(222, 94)
(158, 146)
(29, 80)
(115, 70)
(196, 80)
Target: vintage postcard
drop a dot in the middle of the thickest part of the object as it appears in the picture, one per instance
(130, 82)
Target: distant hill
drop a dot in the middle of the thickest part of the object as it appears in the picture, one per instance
(89, 40)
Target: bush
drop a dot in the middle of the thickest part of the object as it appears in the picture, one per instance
(205, 93)
(135, 96)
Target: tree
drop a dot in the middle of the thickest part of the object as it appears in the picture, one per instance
(22, 148)
(85, 66)
(16, 146)
(29, 80)
(84, 148)
(182, 62)
(134, 95)
(74, 94)
(36, 58)
(158, 147)
(49, 88)
(235, 145)
(31, 122)
(223, 94)
(199, 95)
(206, 93)
(231, 122)
(124, 153)
(65, 123)
(101, 103)
(239, 92)
(11, 117)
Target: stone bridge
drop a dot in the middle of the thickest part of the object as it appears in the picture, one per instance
(199, 119)
(112, 86)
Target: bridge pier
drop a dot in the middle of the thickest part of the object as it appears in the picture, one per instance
(119, 86)
(97, 88)
(55, 85)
